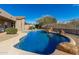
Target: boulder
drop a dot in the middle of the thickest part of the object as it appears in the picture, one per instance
(69, 48)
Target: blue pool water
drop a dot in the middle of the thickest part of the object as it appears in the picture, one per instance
(41, 42)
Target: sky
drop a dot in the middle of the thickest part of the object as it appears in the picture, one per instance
(32, 12)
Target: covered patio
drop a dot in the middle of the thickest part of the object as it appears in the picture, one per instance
(7, 20)
(6, 23)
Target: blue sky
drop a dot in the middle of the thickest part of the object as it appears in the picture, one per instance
(62, 12)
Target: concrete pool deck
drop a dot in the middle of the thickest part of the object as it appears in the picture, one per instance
(6, 47)
(4, 36)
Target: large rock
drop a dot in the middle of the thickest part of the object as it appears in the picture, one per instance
(69, 48)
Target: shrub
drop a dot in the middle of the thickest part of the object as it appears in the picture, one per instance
(11, 30)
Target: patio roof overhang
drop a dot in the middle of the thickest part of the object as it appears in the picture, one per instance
(6, 19)
(7, 16)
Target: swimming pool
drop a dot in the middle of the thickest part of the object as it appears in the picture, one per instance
(41, 42)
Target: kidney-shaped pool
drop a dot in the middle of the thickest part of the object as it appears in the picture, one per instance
(41, 42)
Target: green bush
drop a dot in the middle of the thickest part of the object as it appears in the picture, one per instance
(11, 31)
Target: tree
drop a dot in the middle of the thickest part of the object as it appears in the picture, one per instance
(46, 20)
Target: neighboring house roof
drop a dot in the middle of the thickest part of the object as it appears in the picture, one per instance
(7, 15)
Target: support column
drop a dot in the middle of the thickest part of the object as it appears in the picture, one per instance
(20, 23)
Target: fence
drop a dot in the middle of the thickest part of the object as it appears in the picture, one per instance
(71, 31)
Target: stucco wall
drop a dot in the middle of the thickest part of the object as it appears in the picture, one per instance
(27, 27)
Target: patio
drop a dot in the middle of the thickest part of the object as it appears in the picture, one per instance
(7, 45)
(4, 36)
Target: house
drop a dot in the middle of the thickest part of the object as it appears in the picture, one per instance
(7, 20)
